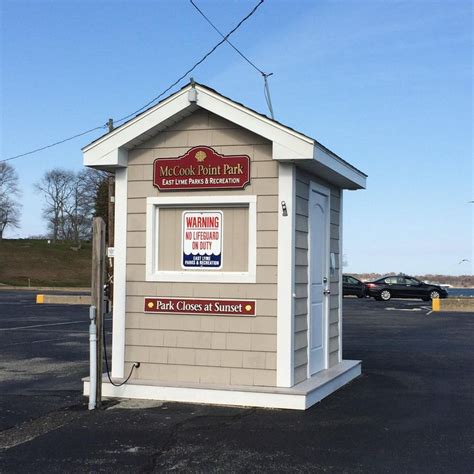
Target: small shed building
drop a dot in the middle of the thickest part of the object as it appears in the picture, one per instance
(227, 266)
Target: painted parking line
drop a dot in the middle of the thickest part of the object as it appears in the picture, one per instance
(36, 342)
(419, 308)
(403, 309)
(82, 321)
(49, 340)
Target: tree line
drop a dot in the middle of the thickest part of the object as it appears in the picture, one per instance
(71, 200)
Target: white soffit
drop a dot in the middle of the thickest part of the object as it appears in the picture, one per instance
(335, 169)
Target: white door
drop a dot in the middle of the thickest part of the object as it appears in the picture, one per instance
(318, 276)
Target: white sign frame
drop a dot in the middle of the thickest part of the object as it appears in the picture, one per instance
(152, 256)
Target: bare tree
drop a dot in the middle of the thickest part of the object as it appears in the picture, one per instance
(81, 206)
(9, 193)
(57, 187)
(70, 202)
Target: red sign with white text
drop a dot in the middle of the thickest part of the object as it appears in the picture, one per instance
(199, 306)
(201, 168)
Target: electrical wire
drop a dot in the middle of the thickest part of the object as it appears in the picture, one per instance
(224, 39)
(264, 74)
(149, 103)
(107, 363)
(230, 44)
(54, 144)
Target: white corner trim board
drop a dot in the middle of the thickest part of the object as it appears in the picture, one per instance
(286, 275)
(341, 248)
(153, 206)
(120, 270)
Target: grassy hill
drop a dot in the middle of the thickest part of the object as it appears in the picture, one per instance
(26, 262)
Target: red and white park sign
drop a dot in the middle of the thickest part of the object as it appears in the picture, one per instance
(199, 306)
(201, 168)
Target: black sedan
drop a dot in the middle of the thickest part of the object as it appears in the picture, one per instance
(403, 286)
(352, 286)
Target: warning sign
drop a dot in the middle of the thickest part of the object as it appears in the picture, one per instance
(202, 239)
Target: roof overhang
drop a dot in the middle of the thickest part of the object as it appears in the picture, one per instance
(111, 150)
(332, 168)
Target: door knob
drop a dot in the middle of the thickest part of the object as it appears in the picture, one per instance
(326, 292)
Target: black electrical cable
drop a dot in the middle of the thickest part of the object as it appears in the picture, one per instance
(264, 74)
(230, 44)
(107, 363)
(54, 144)
(148, 103)
(193, 67)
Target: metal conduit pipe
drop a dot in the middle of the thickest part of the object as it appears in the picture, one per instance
(92, 358)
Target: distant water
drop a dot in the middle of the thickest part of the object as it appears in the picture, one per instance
(461, 292)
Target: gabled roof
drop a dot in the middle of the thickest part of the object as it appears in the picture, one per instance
(111, 150)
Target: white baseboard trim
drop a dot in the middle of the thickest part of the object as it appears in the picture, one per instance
(299, 397)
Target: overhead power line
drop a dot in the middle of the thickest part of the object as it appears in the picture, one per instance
(191, 69)
(230, 44)
(54, 144)
(149, 103)
(264, 74)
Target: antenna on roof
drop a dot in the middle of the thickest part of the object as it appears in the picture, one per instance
(226, 38)
(267, 93)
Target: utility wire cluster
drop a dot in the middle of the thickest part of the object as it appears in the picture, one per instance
(152, 101)
(264, 74)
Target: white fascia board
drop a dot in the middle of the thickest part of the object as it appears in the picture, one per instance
(106, 151)
(300, 151)
(287, 144)
(117, 158)
(339, 166)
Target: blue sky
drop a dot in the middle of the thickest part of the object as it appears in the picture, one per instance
(385, 84)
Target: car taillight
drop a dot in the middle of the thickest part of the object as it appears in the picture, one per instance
(370, 285)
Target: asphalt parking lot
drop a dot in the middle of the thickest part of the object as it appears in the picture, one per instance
(410, 411)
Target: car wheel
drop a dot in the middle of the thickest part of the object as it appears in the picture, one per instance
(434, 295)
(385, 295)
(361, 295)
